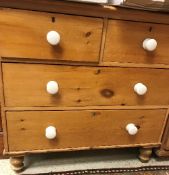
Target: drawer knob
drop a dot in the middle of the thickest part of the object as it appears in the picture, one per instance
(50, 132)
(53, 38)
(140, 88)
(149, 44)
(52, 87)
(131, 129)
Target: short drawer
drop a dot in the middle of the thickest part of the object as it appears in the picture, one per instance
(27, 85)
(82, 129)
(23, 34)
(124, 42)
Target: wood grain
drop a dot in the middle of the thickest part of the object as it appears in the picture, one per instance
(82, 128)
(0, 121)
(23, 35)
(87, 10)
(1, 144)
(25, 86)
(124, 42)
(166, 136)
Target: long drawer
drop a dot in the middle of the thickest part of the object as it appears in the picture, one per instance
(82, 129)
(26, 85)
(23, 34)
(124, 42)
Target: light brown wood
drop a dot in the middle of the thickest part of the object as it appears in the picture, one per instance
(124, 42)
(1, 144)
(145, 154)
(0, 121)
(25, 85)
(17, 163)
(23, 35)
(35, 151)
(78, 108)
(89, 128)
(87, 9)
(166, 136)
(5, 139)
(105, 23)
(161, 152)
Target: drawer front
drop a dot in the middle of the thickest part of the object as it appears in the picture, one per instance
(124, 42)
(23, 35)
(26, 84)
(82, 129)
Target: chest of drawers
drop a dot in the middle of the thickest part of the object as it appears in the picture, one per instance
(94, 78)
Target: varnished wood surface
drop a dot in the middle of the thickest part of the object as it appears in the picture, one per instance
(0, 121)
(124, 42)
(23, 35)
(87, 9)
(165, 145)
(89, 128)
(1, 144)
(25, 85)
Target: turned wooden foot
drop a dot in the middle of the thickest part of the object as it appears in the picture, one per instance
(145, 154)
(17, 163)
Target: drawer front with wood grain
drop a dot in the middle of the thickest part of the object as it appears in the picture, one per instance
(26, 34)
(124, 42)
(83, 129)
(73, 86)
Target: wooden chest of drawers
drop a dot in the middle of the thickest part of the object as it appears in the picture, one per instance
(76, 80)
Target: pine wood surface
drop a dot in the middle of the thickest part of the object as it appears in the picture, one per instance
(81, 87)
(0, 121)
(87, 10)
(124, 42)
(1, 144)
(23, 35)
(25, 85)
(77, 129)
(165, 145)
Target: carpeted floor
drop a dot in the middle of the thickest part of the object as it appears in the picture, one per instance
(110, 160)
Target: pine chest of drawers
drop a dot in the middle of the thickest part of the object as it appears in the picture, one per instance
(94, 78)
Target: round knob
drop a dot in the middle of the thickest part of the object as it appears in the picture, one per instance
(149, 44)
(131, 129)
(50, 132)
(140, 88)
(53, 38)
(52, 87)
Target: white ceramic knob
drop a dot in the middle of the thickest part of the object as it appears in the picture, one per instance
(140, 88)
(50, 132)
(149, 44)
(53, 38)
(52, 87)
(131, 129)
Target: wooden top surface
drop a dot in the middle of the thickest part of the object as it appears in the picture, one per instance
(86, 9)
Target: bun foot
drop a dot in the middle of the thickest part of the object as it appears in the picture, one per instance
(17, 163)
(145, 154)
